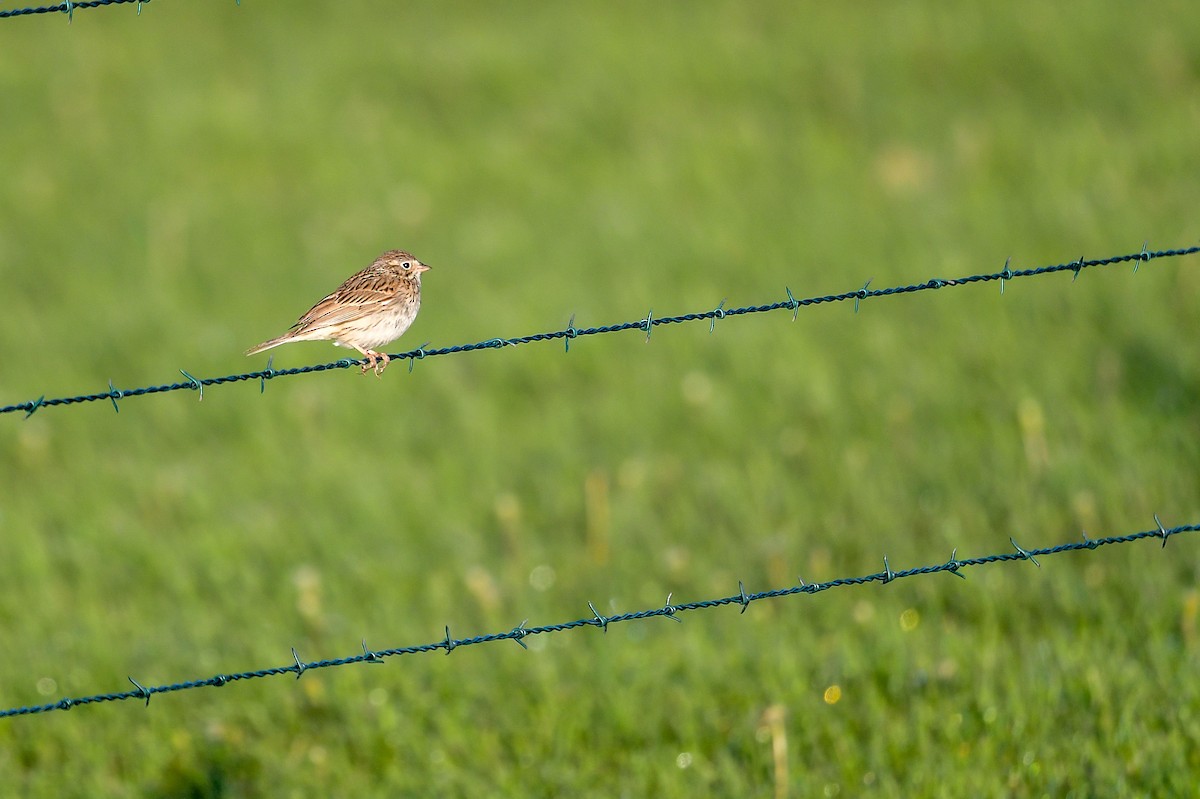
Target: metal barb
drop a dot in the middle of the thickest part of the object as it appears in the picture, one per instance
(141, 690)
(267, 374)
(518, 632)
(37, 403)
(953, 564)
(114, 395)
(861, 294)
(420, 356)
(299, 665)
(449, 643)
(792, 302)
(802, 583)
(569, 334)
(745, 600)
(1162, 531)
(196, 384)
(719, 313)
(1006, 274)
(649, 323)
(601, 621)
(1144, 255)
(1023, 553)
(888, 574)
(1076, 267)
(368, 655)
(346, 363)
(669, 610)
(69, 7)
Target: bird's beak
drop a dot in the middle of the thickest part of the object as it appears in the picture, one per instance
(420, 267)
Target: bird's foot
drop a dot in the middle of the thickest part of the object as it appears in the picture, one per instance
(369, 360)
(376, 361)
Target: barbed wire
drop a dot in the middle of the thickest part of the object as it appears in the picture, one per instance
(571, 332)
(68, 7)
(742, 598)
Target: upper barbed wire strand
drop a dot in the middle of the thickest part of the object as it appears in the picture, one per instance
(69, 7)
(571, 332)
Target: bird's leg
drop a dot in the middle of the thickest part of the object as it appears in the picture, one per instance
(384, 360)
(371, 357)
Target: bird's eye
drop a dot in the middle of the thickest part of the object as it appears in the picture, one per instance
(407, 265)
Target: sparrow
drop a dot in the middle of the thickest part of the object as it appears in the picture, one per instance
(370, 310)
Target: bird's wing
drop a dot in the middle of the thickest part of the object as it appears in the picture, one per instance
(363, 294)
(344, 306)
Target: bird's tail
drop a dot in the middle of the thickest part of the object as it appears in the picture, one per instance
(266, 345)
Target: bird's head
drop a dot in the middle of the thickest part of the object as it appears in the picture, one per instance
(403, 262)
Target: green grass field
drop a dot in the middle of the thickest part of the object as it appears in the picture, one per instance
(179, 185)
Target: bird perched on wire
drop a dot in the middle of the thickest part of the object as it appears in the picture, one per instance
(368, 311)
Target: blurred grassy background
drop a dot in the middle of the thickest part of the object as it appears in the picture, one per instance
(181, 185)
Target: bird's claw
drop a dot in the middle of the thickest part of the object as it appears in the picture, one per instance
(376, 361)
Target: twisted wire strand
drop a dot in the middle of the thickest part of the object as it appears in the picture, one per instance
(69, 7)
(571, 332)
(743, 599)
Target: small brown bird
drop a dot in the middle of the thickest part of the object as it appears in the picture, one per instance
(368, 311)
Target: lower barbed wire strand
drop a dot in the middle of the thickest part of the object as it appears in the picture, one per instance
(743, 599)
